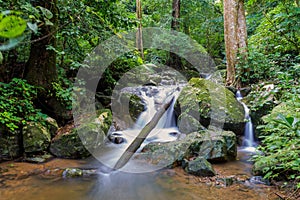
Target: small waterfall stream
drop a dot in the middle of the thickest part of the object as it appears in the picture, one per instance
(165, 131)
(249, 143)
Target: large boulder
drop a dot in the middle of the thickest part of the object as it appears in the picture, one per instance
(211, 103)
(10, 142)
(36, 137)
(77, 142)
(211, 145)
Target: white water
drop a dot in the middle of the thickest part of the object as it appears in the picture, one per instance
(249, 143)
(166, 129)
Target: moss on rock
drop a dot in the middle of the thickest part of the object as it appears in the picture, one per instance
(78, 142)
(36, 137)
(212, 101)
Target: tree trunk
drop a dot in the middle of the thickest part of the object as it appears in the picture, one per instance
(40, 68)
(139, 34)
(41, 65)
(235, 35)
(242, 43)
(174, 60)
(133, 147)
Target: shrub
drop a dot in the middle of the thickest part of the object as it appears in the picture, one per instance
(16, 103)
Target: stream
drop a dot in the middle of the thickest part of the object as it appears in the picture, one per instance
(27, 181)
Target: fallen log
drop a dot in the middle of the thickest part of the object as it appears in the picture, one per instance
(133, 147)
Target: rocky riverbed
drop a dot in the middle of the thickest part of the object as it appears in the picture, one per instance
(77, 179)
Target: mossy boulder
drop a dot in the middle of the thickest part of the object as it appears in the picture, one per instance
(208, 144)
(213, 146)
(188, 124)
(36, 137)
(77, 142)
(10, 142)
(211, 103)
(199, 167)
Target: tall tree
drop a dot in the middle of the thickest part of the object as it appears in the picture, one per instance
(235, 35)
(174, 60)
(41, 65)
(40, 69)
(139, 36)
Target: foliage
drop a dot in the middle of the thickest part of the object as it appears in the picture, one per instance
(280, 139)
(16, 104)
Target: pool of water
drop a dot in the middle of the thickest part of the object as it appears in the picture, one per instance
(33, 182)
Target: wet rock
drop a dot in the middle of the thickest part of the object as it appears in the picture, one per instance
(199, 167)
(116, 138)
(212, 100)
(207, 144)
(76, 172)
(77, 142)
(72, 172)
(226, 181)
(36, 137)
(213, 146)
(39, 158)
(259, 180)
(10, 143)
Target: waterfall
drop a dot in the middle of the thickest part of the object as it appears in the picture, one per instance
(166, 129)
(248, 140)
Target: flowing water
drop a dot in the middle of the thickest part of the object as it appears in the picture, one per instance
(249, 143)
(166, 129)
(25, 181)
(44, 181)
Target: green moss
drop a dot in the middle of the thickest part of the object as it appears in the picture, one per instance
(204, 100)
(36, 137)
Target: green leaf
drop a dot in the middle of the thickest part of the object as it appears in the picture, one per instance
(47, 13)
(12, 26)
(32, 27)
(48, 22)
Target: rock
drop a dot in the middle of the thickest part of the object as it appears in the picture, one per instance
(199, 167)
(245, 91)
(104, 119)
(36, 137)
(39, 158)
(77, 142)
(226, 181)
(51, 125)
(259, 180)
(188, 124)
(212, 100)
(124, 117)
(10, 142)
(207, 144)
(214, 147)
(169, 154)
(136, 107)
(116, 137)
(75, 172)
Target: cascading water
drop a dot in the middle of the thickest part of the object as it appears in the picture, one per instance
(248, 140)
(165, 131)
